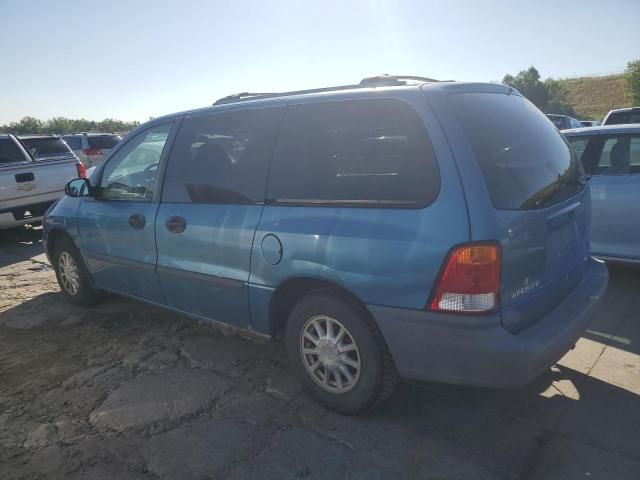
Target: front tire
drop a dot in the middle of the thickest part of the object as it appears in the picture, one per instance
(72, 275)
(338, 354)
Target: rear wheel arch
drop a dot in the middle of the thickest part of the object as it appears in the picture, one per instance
(291, 291)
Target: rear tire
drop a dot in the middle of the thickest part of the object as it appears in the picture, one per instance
(337, 352)
(72, 275)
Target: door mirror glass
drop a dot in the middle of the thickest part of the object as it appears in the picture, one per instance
(78, 187)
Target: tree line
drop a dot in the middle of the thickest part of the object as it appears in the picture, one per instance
(550, 95)
(60, 125)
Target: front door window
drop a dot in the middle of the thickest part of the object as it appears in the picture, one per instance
(131, 173)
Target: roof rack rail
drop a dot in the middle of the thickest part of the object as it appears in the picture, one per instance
(369, 82)
(391, 80)
(241, 96)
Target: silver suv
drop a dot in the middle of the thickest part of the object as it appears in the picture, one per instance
(92, 148)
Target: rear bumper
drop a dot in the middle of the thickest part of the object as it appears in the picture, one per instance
(477, 350)
(8, 221)
(11, 217)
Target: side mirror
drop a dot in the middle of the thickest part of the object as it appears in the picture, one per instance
(78, 187)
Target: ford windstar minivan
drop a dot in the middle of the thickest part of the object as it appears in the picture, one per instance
(399, 227)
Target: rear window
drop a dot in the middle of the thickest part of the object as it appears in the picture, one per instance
(354, 152)
(524, 159)
(75, 143)
(9, 152)
(575, 123)
(557, 121)
(103, 142)
(46, 147)
(621, 118)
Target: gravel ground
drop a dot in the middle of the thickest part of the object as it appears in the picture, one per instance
(128, 391)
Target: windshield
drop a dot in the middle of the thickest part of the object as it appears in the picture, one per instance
(525, 161)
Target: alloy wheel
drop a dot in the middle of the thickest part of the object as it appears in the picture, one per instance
(69, 275)
(330, 354)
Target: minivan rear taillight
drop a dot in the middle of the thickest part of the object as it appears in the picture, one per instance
(470, 280)
(82, 170)
(92, 151)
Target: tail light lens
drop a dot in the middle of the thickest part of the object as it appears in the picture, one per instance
(82, 170)
(92, 151)
(470, 280)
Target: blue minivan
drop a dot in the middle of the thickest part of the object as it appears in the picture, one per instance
(400, 227)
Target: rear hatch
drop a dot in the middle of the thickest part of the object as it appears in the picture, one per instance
(536, 203)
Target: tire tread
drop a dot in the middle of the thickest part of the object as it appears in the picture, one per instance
(389, 372)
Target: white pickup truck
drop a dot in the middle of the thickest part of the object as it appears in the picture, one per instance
(29, 186)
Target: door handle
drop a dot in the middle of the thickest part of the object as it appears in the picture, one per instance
(176, 224)
(24, 177)
(137, 221)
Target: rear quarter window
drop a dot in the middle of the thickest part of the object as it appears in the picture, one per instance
(373, 152)
(579, 145)
(523, 157)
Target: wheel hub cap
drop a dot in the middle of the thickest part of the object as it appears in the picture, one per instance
(330, 354)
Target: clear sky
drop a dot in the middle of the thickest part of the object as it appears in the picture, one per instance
(132, 59)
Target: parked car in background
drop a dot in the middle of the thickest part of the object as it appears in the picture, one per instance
(621, 116)
(563, 122)
(589, 123)
(435, 230)
(611, 155)
(47, 147)
(29, 186)
(92, 148)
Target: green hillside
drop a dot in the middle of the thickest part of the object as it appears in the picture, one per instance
(593, 97)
